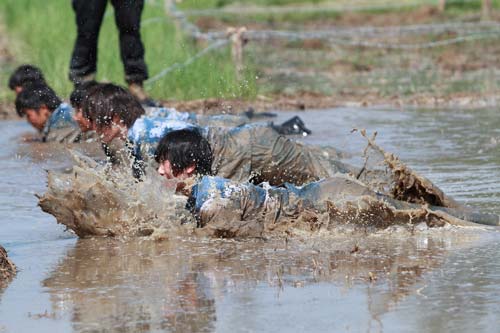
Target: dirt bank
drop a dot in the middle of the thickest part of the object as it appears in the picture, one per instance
(309, 100)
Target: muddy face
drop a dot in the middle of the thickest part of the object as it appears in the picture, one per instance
(165, 169)
(84, 123)
(37, 118)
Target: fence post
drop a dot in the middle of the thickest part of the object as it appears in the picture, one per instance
(486, 10)
(238, 40)
(441, 5)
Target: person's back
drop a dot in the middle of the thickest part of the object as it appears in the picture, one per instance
(256, 152)
(61, 126)
(146, 133)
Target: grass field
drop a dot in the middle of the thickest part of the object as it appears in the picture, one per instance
(43, 33)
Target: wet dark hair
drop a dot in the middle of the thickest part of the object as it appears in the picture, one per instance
(24, 75)
(81, 92)
(183, 148)
(106, 101)
(35, 96)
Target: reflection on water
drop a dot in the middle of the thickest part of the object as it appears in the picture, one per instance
(395, 280)
(139, 286)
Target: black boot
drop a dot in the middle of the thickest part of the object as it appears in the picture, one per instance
(293, 126)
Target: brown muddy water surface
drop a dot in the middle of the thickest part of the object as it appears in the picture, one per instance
(421, 280)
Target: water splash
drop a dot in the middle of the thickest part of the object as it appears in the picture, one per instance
(95, 199)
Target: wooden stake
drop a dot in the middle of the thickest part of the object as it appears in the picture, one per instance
(441, 5)
(486, 10)
(237, 42)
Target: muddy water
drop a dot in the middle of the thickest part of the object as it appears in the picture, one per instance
(392, 281)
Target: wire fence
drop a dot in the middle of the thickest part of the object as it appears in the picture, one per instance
(324, 8)
(468, 31)
(388, 37)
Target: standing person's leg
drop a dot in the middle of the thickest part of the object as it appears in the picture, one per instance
(89, 14)
(128, 19)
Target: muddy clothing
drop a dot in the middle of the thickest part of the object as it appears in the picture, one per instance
(258, 153)
(253, 152)
(89, 136)
(146, 133)
(61, 127)
(214, 198)
(243, 209)
(89, 15)
(223, 120)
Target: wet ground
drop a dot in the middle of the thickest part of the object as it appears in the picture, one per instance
(425, 280)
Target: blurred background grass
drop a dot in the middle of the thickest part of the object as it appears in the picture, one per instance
(43, 33)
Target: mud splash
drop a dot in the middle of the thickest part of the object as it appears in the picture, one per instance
(95, 200)
(397, 179)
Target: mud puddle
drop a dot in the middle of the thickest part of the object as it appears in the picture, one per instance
(394, 280)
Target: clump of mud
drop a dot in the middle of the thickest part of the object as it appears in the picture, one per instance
(7, 268)
(386, 173)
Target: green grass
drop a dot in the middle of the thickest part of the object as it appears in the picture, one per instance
(44, 34)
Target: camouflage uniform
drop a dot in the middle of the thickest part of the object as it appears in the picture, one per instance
(258, 153)
(222, 120)
(61, 127)
(250, 152)
(244, 209)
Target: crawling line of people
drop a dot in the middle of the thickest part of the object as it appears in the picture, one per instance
(239, 178)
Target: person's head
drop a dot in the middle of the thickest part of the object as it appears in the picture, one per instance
(76, 98)
(37, 102)
(184, 153)
(25, 75)
(112, 110)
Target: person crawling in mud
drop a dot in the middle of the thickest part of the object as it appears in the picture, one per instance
(104, 93)
(255, 150)
(292, 126)
(231, 209)
(25, 75)
(81, 92)
(76, 99)
(46, 112)
(90, 201)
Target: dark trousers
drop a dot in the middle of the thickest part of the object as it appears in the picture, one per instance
(89, 15)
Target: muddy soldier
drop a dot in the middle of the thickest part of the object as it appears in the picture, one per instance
(225, 208)
(48, 114)
(231, 208)
(240, 152)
